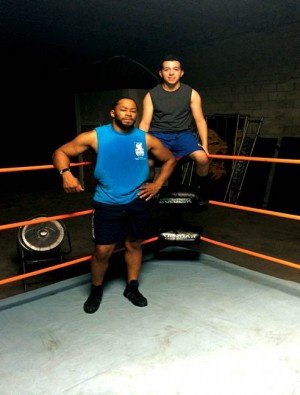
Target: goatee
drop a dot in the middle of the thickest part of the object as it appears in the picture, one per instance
(124, 126)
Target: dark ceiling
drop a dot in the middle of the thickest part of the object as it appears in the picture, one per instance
(69, 38)
(53, 48)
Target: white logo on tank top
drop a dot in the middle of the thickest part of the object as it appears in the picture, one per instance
(139, 151)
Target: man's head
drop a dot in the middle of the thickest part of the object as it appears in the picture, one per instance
(124, 114)
(171, 69)
(169, 58)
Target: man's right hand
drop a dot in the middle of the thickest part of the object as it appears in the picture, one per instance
(71, 184)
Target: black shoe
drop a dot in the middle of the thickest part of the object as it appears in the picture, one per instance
(133, 294)
(202, 197)
(92, 303)
(203, 187)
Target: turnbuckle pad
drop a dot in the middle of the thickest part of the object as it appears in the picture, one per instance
(167, 197)
(181, 235)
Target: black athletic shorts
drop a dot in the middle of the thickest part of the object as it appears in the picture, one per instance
(113, 223)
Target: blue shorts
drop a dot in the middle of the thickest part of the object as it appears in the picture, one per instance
(112, 223)
(179, 143)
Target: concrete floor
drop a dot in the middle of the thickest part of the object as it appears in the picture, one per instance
(269, 235)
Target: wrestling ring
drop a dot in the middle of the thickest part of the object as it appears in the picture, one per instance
(211, 327)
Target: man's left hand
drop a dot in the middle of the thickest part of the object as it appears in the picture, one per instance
(148, 190)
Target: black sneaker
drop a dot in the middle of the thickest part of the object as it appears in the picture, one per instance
(92, 303)
(133, 294)
(202, 197)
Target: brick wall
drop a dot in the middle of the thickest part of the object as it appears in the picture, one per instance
(277, 102)
(256, 74)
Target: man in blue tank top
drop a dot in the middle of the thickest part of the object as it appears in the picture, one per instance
(122, 196)
(170, 111)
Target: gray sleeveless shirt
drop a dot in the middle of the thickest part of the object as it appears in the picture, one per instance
(171, 110)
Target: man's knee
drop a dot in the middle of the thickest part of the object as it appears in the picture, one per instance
(200, 158)
(133, 244)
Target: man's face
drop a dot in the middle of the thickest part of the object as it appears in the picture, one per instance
(125, 114)
(171, 71)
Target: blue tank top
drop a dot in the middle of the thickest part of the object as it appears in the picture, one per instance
(171, 110)
(121, 166)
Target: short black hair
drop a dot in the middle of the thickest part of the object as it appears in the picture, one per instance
(116, 102)
(171, 57)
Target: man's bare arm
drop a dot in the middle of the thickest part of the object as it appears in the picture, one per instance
(61, 158)
(147, 113)
(168, 160)
(196, 108)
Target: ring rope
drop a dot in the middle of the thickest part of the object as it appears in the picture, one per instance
(61, 265)
(42, 167)
(202, 238)
(255, 159)
(45, 219)
(255, 210)
(211, 156)
(253, 253)
(85, 212)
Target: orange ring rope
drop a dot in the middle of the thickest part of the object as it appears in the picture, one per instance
(202, 238)
(213, 202)
(211, 156)
(45, 270)
(255, 210)
(45, 219)
(61, 265)
(253, 253)
(255, 159)
(42, 167)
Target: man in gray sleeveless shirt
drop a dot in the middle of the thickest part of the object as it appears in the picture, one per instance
(170, 111)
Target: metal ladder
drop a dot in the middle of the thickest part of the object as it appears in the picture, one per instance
(249, 136)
